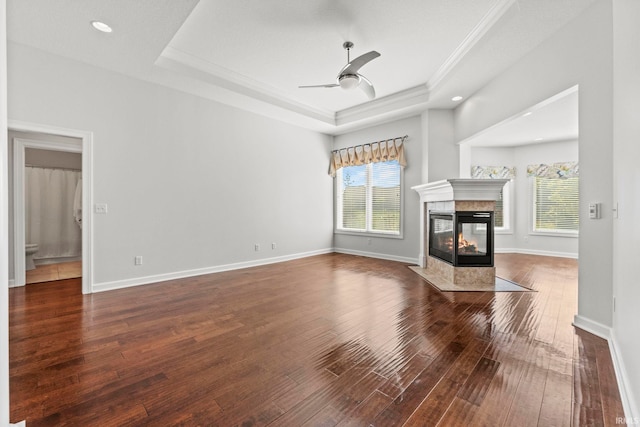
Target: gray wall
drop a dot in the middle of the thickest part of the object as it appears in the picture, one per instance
(190, 184)
(53, 159)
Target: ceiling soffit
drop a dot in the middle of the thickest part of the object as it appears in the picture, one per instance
(242, 89)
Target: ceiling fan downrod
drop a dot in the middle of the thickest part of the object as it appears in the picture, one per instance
(347, 46)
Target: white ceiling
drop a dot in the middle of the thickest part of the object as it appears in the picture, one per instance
(253, 54)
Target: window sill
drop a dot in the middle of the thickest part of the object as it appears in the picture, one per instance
(554, 234)
(503, 231)
(369, 234)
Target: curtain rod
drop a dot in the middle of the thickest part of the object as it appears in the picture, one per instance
(403, 138)
(52, 167)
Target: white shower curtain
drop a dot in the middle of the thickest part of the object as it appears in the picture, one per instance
(49, 197)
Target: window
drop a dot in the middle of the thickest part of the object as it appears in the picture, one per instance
(556, 205)
(502, 214)
(369, 198)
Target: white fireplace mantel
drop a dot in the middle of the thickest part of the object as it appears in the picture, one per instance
(460, 189)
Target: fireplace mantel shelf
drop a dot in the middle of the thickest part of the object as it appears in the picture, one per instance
(460, 189)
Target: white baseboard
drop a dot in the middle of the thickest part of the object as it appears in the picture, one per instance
(20, 424)
(629, 402)
(12, 283)
(536, 252)
(591, 326)
(138, 281)
(57, 260)
(376, 255)
(631, 410)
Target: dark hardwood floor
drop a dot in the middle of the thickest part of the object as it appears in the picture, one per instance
(321, 341)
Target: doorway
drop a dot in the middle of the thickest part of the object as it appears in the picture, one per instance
(24, 137)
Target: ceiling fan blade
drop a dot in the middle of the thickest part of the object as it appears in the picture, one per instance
(353, 66)
(313, 86)
(367, 87)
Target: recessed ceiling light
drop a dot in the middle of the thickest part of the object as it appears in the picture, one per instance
(101, 26)
(538, 139)
(528, 113)
(456, 98)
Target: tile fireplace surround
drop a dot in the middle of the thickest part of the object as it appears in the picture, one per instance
(455, 195)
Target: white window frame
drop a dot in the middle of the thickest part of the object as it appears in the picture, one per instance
(507, 209)
(337, 203)
(532, 217)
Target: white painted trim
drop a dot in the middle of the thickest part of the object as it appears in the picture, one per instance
(460, 189)
(20, 424)
(629, 402)
(4, 224)
(413, 261)
(591, 326)
(176, 60)
(138, 281)
(86, 147)
(571, 255)
(408, 99)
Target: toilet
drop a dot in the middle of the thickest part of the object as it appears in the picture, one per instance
(31, 249)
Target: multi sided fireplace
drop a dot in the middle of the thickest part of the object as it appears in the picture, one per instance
(462, 239)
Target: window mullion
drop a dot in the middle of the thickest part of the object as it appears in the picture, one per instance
(369, 198)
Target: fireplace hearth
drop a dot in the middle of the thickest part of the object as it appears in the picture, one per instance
(462, 238)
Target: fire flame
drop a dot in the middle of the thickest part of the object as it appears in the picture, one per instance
(465, 245)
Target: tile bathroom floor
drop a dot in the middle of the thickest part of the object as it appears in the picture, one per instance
(50, 272)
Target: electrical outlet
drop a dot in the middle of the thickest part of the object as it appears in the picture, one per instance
(138, 260)
(257, 247)
(273, 246)
(100, 208)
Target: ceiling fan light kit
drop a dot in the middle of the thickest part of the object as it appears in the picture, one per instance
(349, 78)
(349, 81)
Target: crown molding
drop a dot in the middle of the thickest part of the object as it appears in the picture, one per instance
(413, 98)
(191, 66)
(185, 72)
(486, 23)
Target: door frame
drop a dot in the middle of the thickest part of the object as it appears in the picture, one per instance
(83, 146)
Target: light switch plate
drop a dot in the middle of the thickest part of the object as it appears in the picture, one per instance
(101, 208)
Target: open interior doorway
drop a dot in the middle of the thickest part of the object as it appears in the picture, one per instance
(50, 223)
(537, 149)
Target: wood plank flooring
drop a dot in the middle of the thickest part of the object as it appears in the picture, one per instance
(322, 341)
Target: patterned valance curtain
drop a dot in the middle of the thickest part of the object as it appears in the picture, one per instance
(554, 170)
(493, 172)
(382, 151)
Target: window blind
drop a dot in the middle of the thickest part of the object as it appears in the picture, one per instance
(556, 205)
(385, 197)
(369, 197)
(354, 197)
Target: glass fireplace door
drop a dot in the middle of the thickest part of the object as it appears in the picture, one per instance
(474, 238)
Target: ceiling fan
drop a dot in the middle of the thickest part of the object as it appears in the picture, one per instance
(349, 78)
